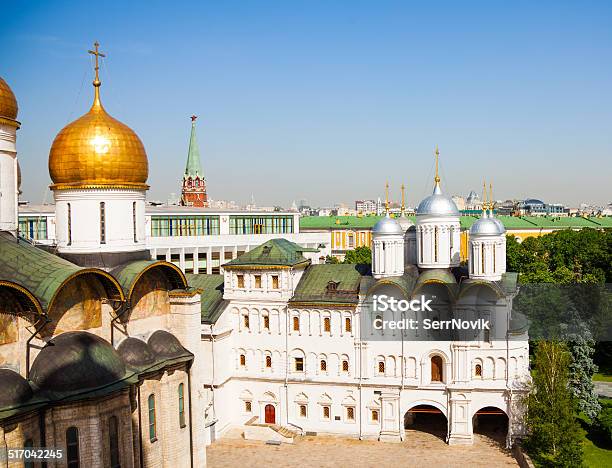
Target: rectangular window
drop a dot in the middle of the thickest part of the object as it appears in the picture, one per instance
(296, 324)
(258, 281)
(181, 404)
(245, 321)
(347, 324)
(435, 243)
(240, 281)
(299, 364)
(266, 322)
(242, 360)
(345, 366)
(171, 226)
(323, 365)
(34, 228)
(69, 225)
(327, 324)
(274, 281)
(134, 222)
(350, 413)
(152, 423)
(374, 415)
(326, 412)
(248, 407)
(302, 411)
(102, 223)
(261, 224)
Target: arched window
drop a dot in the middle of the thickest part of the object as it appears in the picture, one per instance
(381, 367)
(296, 324)
(478, 370)
(269, 362)
(113, 441)
(323, 365)
(266, 323)
(327, 324)
(245, 321)
(482, 259)
(28, 462)
(242, 360)
(181, 404)
(152, 423)
(345, 366)
(435, 243)
(347, 324)
(72, 447)
(436, 369)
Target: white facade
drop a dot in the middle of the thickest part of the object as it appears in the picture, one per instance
(8, 177)
(99, 220)
(438, 242)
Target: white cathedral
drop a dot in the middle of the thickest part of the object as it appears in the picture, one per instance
(276, 345)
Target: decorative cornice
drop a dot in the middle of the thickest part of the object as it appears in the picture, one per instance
(10, 122)
(123, 186)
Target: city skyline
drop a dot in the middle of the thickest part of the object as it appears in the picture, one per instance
(340, 99)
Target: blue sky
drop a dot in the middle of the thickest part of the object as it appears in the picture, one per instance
(325, 100)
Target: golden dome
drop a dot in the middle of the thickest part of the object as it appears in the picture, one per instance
(97, 150)
(8, 104)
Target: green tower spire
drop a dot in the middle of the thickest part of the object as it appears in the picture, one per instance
(194, 167)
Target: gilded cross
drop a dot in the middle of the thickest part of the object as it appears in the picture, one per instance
(193, 118)
(97, 54)
(437, 153)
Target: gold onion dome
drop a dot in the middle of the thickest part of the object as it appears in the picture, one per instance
(8, 104)
(97, 150)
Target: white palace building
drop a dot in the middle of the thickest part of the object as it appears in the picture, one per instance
(290, 343)
(106, 344)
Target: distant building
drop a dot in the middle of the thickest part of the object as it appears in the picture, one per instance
(535, 207)
(365, 206)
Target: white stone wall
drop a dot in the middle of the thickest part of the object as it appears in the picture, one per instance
(487, 257)
(85, 220)
(445, 253)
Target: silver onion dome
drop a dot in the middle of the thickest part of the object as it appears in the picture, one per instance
(487, 226)
(437, 204)
(387, 226)
(405, 223)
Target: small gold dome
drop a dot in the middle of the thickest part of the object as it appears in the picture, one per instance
(97, 150)
(8, 103)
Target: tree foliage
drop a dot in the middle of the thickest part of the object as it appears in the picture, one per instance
(361, 255)
(554, 433)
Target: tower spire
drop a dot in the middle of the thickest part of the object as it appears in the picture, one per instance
(403, 208)
(484, 199)
(387, 198)
(194, 184)
(437, 155)
(96, 82)
(491, 198)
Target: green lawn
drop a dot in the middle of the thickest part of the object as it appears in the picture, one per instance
(596, 452)
(602, 377)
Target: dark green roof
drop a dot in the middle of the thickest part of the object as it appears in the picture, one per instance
(127, 274)
(275, 252)
(40, 272)
(330, 284)
(211, 296)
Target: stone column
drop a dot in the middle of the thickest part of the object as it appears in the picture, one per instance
(389, 416)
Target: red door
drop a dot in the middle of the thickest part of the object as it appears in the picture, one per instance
(270, 414)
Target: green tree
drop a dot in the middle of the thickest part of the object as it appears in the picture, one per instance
(331, 259)
(554, 433)
(361, 255)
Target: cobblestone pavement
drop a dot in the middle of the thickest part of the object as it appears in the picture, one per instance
(418, 450)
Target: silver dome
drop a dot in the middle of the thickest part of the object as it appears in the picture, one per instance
(487, 227)
(437, 204)
(502, 228)
(388, 226)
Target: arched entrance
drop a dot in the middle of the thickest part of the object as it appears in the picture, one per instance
(491, 422)
(426, 418)
(270, 414)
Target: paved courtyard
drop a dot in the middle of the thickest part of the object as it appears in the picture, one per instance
(418, 450)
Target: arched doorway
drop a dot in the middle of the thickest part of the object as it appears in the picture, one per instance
(270, 414)
(491, 422)
(426, 418)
